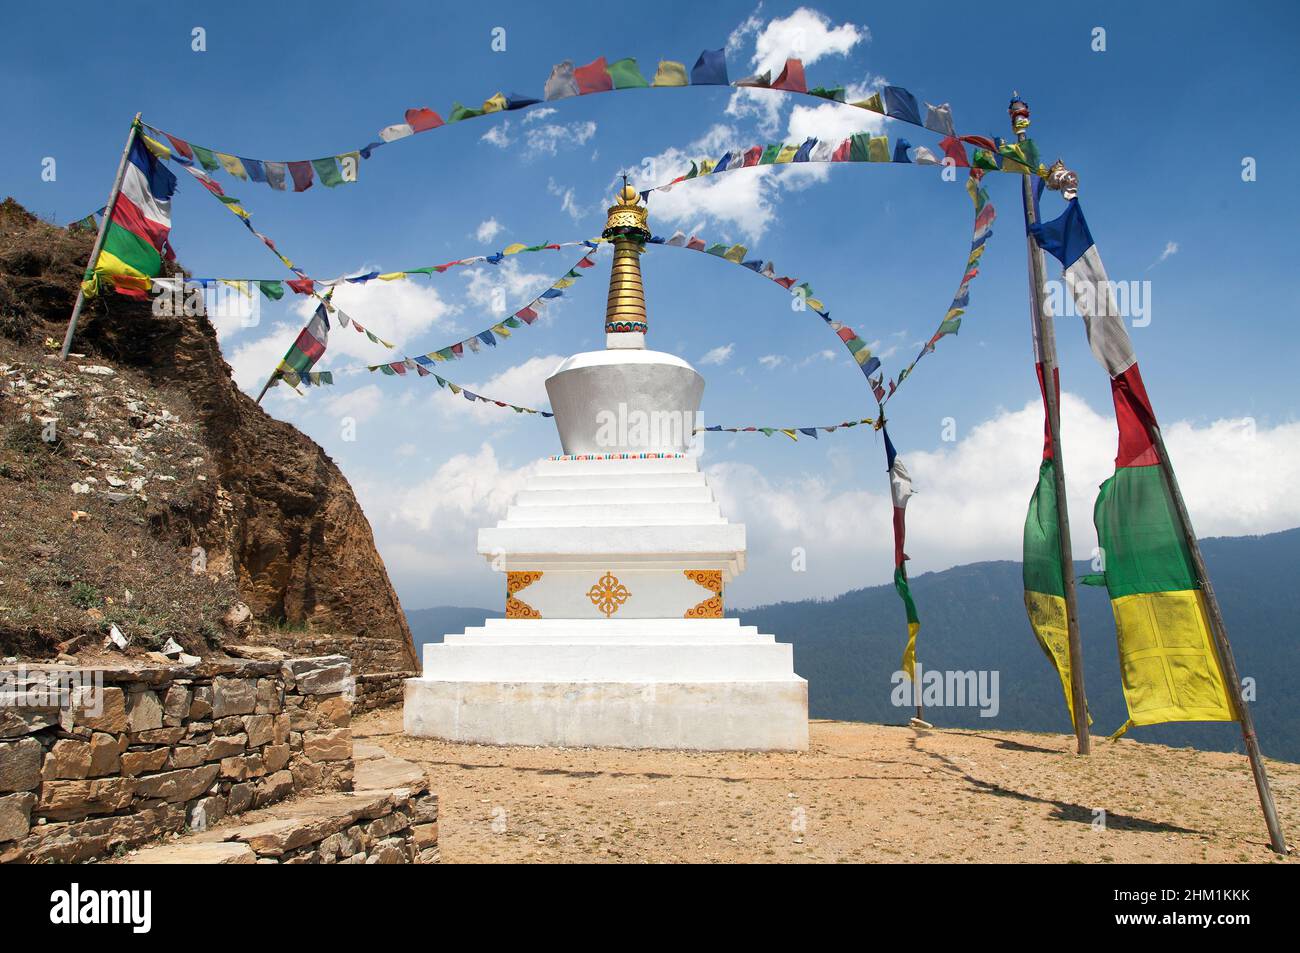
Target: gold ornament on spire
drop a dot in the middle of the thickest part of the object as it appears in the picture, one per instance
(625, 311)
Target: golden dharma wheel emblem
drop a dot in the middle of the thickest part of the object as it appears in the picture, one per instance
(608, 594)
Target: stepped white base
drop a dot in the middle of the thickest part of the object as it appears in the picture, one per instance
(699, 684)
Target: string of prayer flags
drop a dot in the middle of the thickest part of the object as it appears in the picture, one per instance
(492, 335)
(421, 369)
(738, 254)
(302, 284)
(985, 214)
(89, 224)
(866, 147)
(329, 170)
(791, 432)
(310, 285)
(565, 80)
(900, 490)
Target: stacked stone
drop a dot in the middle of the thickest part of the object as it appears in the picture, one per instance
(369, 655)
(170, 748)
(379, 690)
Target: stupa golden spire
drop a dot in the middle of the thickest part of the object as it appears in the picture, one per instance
(625, 312)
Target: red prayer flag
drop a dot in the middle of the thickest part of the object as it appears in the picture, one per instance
(181, 146)
(954, 150)
(791, 78)
(593, 78)
(423, 118)
(304, 286)
(302, 175)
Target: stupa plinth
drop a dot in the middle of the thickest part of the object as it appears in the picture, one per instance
(616, 558)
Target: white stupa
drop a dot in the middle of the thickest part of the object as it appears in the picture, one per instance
(616, 557)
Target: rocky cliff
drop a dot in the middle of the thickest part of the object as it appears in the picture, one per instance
(277, 520)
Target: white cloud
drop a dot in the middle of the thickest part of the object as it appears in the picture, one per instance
(507, 284)
(401, 312)
(498, 135)
(537, 115)
(972, 497)
(719, 355)
(831, 122)
(547, 139)
(742, 200)
(804, 35)
(825, 354)
(568, 200)
(1171, 249)
(429, 529)
(740, 35)
(523, 384)
(763, 105)
(488, 230)
(772, 361)
(361, 404)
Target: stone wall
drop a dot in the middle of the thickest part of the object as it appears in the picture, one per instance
(132, 753)
(379, 690)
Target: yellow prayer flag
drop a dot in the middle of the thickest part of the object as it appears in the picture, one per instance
(873, 103)
(494, 104)
(514, 249)
(670, 73)
(232, 165)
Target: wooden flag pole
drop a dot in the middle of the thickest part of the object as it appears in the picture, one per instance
(1227, 663)
(1047, 345)
(99, 239)
(267, 386)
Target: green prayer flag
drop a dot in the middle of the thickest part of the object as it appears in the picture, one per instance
(272, 289)
(206, 158)
(328, 171)
(625, 75)
(459, 112)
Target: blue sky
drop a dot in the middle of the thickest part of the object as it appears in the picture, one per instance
(1156, 126)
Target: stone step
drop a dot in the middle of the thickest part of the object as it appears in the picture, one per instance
(615, 494)
(613, 514)
(609, 663)
(541, 481)
(746, 635)
(665, 465)
(386, 818)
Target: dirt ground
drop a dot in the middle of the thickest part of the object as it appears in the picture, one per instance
(861, 793)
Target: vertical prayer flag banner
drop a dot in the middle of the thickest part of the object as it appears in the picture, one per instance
(1168, 662)
(309, 347)
(135, 242)
(1044, 575)
(900, 491)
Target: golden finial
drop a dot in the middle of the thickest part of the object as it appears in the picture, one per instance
(625, 311)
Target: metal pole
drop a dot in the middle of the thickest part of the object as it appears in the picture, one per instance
(99, 239)
(1223, 649)
(1047, 346)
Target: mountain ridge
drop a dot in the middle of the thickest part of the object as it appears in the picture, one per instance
(973, 619)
